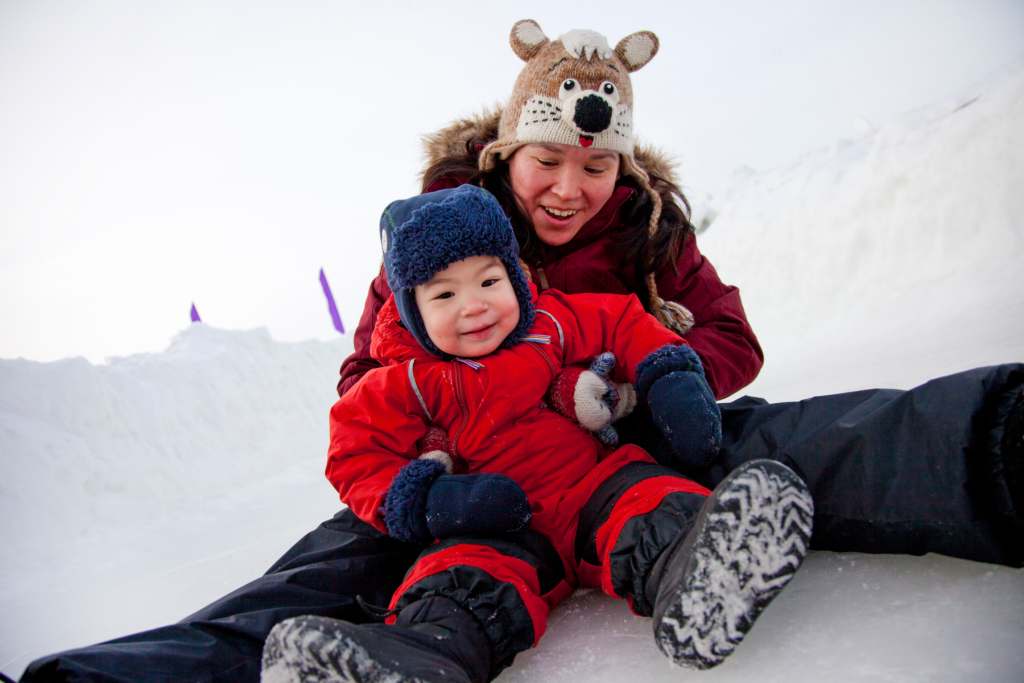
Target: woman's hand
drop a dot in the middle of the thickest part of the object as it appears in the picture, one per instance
(590, 398)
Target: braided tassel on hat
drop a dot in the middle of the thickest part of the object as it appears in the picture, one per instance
(671, 314)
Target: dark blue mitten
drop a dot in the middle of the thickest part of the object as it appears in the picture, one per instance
(671, 381)
(472, 504)
(424, 503)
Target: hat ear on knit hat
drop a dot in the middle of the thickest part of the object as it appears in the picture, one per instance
(423, 235)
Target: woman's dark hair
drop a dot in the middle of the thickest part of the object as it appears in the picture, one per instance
(650, 254)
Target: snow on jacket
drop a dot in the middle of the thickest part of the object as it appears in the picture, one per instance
(494, 416)
(592, 262)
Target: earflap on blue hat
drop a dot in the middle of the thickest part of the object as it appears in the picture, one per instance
(405, 295)
(423, 235)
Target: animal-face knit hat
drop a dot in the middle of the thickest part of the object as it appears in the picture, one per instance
(575, 90)
(425, 234)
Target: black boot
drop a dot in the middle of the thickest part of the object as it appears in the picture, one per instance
(433, 639)
(746, 543)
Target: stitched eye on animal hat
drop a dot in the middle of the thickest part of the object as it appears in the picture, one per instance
(611, 92)
(568, 84)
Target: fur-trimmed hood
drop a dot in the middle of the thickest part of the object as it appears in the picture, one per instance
(475, 132)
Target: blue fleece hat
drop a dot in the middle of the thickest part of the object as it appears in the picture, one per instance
(425, 234)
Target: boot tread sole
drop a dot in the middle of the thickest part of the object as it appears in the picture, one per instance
(749, 540)
(321, 650)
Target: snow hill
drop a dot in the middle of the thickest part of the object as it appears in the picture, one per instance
(135, 491)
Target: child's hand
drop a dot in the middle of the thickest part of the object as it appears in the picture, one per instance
(671, 380)
(590, 398)
(424, 503)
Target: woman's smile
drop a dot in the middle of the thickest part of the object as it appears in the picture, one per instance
(561, 213)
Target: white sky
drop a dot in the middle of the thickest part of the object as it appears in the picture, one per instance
(156, 154)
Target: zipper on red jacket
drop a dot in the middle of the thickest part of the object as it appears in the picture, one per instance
(551, 364)
(461, 400)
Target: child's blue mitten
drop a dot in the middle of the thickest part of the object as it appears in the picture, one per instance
(424, 503)
(671, 381)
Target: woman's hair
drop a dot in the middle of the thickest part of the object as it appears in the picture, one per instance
(650, 254)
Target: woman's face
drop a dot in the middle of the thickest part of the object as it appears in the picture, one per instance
(561, 187)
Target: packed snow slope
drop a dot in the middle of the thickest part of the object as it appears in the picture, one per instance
(136, 491)
(886, 259)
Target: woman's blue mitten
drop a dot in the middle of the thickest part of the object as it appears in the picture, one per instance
(424, 503)
(671, 381)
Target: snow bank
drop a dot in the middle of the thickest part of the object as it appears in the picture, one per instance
(120, 478)
(887, 259)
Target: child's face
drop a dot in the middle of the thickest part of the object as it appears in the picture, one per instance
(469, 307)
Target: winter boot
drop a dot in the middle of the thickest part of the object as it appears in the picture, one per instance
(433, 639)
(744, 546)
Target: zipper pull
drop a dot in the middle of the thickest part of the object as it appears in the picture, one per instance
(543, 277)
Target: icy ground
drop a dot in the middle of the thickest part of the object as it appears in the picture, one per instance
(136, 491)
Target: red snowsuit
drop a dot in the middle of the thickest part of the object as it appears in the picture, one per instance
(496, 422)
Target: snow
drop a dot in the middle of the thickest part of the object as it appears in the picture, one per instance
(887, 258)
(136, 491)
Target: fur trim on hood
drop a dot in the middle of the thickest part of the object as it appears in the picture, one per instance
(457, 139)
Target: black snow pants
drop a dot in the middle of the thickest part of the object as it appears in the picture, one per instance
(908, 472)
(321, 574)
(890, 471)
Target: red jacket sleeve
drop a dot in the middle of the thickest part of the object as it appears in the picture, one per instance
(359, 361)
(374, 429)
(593, 323)
(721, 335)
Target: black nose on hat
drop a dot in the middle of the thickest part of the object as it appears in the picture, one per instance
(593, 114)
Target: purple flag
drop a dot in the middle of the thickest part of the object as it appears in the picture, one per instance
(194, 314)
(335, 317)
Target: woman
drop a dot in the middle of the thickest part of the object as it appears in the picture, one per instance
(934, 469)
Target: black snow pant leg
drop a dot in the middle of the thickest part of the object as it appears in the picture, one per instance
(891, 471)
(321, 574)
(643, 536)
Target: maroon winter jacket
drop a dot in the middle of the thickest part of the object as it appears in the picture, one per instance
(493, 415)
(591, 262)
